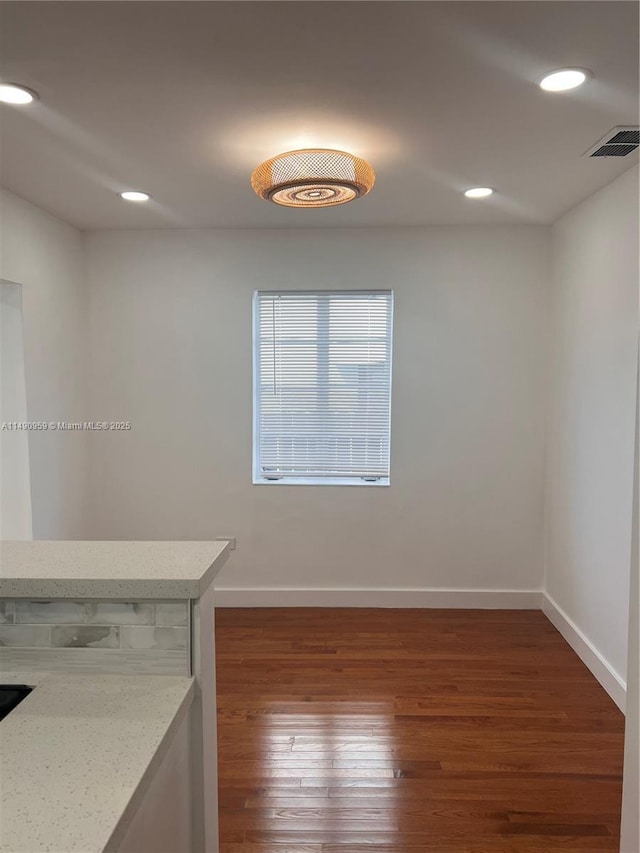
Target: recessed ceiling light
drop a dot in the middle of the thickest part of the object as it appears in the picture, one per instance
(313, 177)
(12, 94)
(478, 192)
(564, 79)
(134, 195)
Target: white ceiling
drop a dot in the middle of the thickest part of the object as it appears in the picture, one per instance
(183, 99)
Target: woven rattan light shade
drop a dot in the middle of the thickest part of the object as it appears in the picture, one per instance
(313, 177)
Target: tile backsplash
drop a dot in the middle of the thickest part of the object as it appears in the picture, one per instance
(85, 636)
(62, 623)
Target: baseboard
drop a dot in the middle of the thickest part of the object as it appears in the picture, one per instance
(467, 599)
(612, 682)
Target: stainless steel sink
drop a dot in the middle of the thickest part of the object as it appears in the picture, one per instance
(10, 696)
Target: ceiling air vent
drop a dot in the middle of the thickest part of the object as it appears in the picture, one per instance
(617, 143)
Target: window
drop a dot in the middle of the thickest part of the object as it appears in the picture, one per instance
(322, 386)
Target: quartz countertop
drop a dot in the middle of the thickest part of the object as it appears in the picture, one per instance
(109, 570)
(78, 754)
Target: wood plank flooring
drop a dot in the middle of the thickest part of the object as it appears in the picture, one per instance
(405, 731)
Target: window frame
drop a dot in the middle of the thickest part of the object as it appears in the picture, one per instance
(258, 478)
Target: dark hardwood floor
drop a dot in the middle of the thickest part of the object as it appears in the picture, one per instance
(406, 731)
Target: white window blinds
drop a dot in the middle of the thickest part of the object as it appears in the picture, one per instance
(322, 380)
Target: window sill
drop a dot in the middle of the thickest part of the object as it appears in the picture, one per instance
(321, 481)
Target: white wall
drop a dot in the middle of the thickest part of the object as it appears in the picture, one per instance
(592, 415)
(630, 830)
(15, 483)
(45, 256)
(170, 321)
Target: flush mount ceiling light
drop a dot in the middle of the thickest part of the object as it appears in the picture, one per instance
(313, 177)
(478, 192)
(564, 79)
(11, 93)
(134, 195)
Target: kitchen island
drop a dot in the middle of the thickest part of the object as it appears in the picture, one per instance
(81, 754)
(117, 639)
